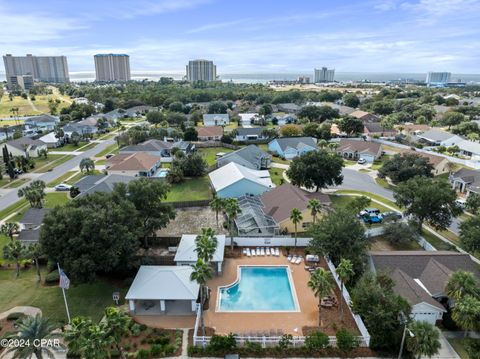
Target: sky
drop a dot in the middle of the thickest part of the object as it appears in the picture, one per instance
(251, 36)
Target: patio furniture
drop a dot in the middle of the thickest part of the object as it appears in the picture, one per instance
(262, 251)
(299, 260)
(267, 251)
(289, 258)
(277, 252)
(244, 251)
(293, 260)
(326, 303)
(312, 258)
(248, 252)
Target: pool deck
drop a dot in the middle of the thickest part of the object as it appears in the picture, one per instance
(288, 322)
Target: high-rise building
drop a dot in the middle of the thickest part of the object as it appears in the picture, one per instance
(324, 75)
(25, 82)
(112, 67)
(438, 78)
(42, 68)
(201, 70)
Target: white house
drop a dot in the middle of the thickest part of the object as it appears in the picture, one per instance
(166, 290)
(186, 254)
(216, 119)
(50, 140)
(234, 181)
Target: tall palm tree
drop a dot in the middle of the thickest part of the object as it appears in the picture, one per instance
(232, 209)
(9, 229)
(315, 207)
(216, 205)
(296, 218)
(87, 164)
(322, 143)
(426, 339)
(333, 146)
(202, 272)
(466, 313)
(34, 251)
(15, 250)
(321, 282)
(206, 245)
(33, 329)
(461, 283)
(345, 272)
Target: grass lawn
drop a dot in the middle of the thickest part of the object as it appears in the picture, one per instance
(371, 195)
(4, 122)
(51, 162)
(40, 105)
(347, 163)
(5, 182)
(100, 162)
(55, 199)
(381, 244)
(71, 147)
(61, 179)
(209, 154)
(264, 147)
(18, 206)
(458, 345)
(383, 182)
(194, 189)
(113, 148)
(80, 175)
(84, 300)
(339, 202)
(276, 175)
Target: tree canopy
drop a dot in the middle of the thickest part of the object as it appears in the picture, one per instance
(316, 170)
(405, 166)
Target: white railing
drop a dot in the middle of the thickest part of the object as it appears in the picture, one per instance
(271, 341)
(279, 241)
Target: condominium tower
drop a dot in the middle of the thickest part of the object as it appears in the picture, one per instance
(324, 75)
(52, 69)
(112, 67)
(201, 70)
(438, 78)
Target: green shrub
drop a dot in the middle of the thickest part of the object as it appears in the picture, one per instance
(15, 316)
(52, 278)
(127, 347)
(316, 341)
(136, 330)
(114, 353)
(253, 347)
(162, 339)
(143, 327)
(220, 343)
(143, 354)
(169, 349)
(285, 341)
(472, 347)
(346, 340)
(156, 350)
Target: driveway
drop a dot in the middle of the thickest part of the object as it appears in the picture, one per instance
(7, 199)
(446, 351)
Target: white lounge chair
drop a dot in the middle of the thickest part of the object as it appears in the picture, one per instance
(294, 259)
(258, 251)
(277, 252)
(244, 250)
(262, 251)
(299, 260)
(253, 252)
(289, 257)
(248, 252)
(268, 251)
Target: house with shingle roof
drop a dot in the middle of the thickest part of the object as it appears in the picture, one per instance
(100, 183)
(209, 133)
(291, 147)
(250, 156)
(440, 164)
(249, 134)
(355, 149)
(42, 122)
(137, 164)
(234, 181)
(436, 137)
(365, 117)
(216, 119)
(26, 147)
(421, 276)
(30, 225)
(465, 181)
(158, 148)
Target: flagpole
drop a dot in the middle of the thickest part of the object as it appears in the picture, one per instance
(64, 296)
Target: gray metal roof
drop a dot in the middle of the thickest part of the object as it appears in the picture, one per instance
(163, 282)
(246, 131)
(34, 216)
(186, 249)
(436, 135)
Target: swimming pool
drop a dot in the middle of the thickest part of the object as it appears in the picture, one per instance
(259, 289)
(162, 173)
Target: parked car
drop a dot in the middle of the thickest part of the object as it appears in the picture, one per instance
(372, 218)
(369, 211)
(361, 161)
(461, 203)
(62, 187)
(109, 156)
(391, 216)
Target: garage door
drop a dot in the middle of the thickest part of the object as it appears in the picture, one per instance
(426, 317)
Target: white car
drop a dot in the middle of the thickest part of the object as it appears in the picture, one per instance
(361, 161)
(62, 187)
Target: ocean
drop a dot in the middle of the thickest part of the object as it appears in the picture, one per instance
(265, 77)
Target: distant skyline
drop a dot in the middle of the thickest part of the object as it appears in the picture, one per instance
(270, 36)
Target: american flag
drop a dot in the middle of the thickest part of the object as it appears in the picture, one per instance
(64, 281)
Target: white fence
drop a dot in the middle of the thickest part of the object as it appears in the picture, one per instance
(346, 296)
(278, 241)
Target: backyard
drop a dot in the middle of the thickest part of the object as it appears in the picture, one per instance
(276, 174)
(194, 189)
(209, 153)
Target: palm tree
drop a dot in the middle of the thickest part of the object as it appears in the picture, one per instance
(466, 313)
(15, 250)
(117, 326)
(315, 207)
(333, 146)
(322, 143)
(202, 272)
(206, 245)
(216, 205)
(345, 272)
(87, 164)
(35, 251)
(461, 283)
(34, 329)
(296, 218)
(321, 282)
(426, 339)
(9, 229)
(232, 209)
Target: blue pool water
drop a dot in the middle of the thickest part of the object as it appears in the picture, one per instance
(162, 173)
(259, 289)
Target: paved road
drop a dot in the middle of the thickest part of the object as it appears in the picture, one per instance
(355, 180)
(11, 197)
